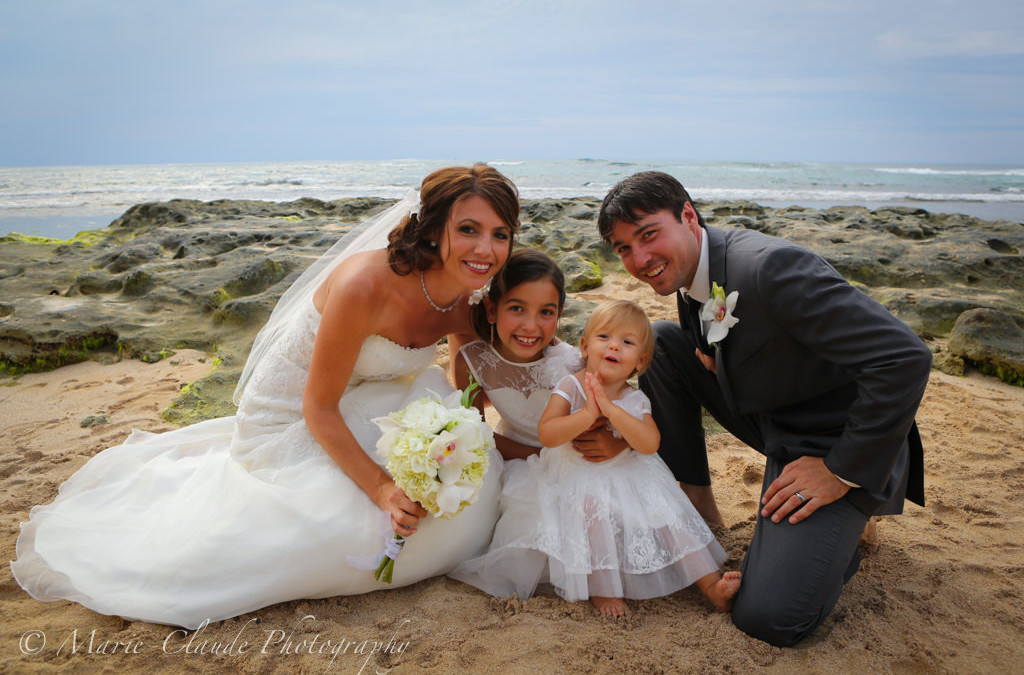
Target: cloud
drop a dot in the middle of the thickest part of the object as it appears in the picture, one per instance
(978, 43)
(105, 80)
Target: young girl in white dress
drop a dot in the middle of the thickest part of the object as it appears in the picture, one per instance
(603, 531)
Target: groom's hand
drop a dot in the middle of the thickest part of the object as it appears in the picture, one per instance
(808, 477)
(707, 361)
(597, 444)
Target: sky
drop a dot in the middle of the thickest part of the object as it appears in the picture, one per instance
(145, 82)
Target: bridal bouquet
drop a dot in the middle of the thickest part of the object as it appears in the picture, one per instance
(436, 451)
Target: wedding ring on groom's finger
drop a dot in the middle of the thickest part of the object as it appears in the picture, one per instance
(802, 499)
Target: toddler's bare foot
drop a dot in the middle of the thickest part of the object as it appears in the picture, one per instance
(610, 606)
(869, 539)
(721, 591)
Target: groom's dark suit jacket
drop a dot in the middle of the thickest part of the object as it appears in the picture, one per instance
(826, 370)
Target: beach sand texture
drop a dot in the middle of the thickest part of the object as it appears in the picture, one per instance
(942, 592)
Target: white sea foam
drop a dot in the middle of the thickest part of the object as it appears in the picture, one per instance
(58, 201)
(951, 172)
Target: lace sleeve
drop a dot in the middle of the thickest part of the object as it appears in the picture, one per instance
(483, 364)
(571, 390)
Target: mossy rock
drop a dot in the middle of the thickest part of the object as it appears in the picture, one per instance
(130, 257)
(137, 283)
(95, 282)
(244, 311)
(205, 399)
(256, 277)
(215, 299)
(574, 318)
(22, 356)
(992, 341)
(928, 312)
(580, 274)
(948, 363)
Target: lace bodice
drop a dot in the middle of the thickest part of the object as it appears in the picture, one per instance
(520, 391)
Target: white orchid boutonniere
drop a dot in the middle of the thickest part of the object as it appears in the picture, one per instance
(718, 311)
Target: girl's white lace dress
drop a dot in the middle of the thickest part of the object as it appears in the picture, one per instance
(621, 528)
(520, 391)
(233, 514)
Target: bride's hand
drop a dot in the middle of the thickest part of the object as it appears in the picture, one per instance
(404, 512)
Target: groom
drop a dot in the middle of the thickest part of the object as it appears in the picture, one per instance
(815, 375)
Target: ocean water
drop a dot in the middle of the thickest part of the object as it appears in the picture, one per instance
(61, 201)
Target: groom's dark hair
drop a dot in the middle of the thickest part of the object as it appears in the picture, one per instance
(641, 194)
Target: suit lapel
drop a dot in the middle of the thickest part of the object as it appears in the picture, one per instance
(689, 318)
(717, 252)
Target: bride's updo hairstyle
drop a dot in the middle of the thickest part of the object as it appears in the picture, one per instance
(415, 244)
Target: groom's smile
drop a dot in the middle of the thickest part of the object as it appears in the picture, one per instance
(651, 274)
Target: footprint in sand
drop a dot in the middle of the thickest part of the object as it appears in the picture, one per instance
(753, 475)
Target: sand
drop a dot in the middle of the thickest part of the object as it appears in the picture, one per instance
(942, 592)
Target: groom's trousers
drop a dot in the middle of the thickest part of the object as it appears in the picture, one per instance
(792, 574)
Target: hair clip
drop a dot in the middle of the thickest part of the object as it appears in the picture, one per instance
(479, 294)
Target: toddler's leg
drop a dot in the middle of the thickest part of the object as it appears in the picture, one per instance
(720, 589)
(602, 544)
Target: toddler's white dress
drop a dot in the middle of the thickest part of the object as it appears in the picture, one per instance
(233, 514)
(621, 528)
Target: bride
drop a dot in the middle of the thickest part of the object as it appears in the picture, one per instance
(234, 514)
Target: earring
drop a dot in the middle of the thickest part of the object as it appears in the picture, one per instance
(433, 244)
(492, 333)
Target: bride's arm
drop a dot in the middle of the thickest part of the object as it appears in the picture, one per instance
(460, 369)
(352, 307)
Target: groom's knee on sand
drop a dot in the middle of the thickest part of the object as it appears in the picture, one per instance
(793, 575)
(779, 623)
(783, 606)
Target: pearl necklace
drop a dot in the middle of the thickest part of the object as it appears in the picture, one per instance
(423, 285)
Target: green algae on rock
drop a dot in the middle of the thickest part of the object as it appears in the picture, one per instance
(205, 275)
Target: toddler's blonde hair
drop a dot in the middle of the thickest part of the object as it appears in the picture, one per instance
(623, 312)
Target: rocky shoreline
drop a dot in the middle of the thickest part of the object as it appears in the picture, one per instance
(205, 275)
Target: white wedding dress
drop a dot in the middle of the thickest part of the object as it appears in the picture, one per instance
(234, 514)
